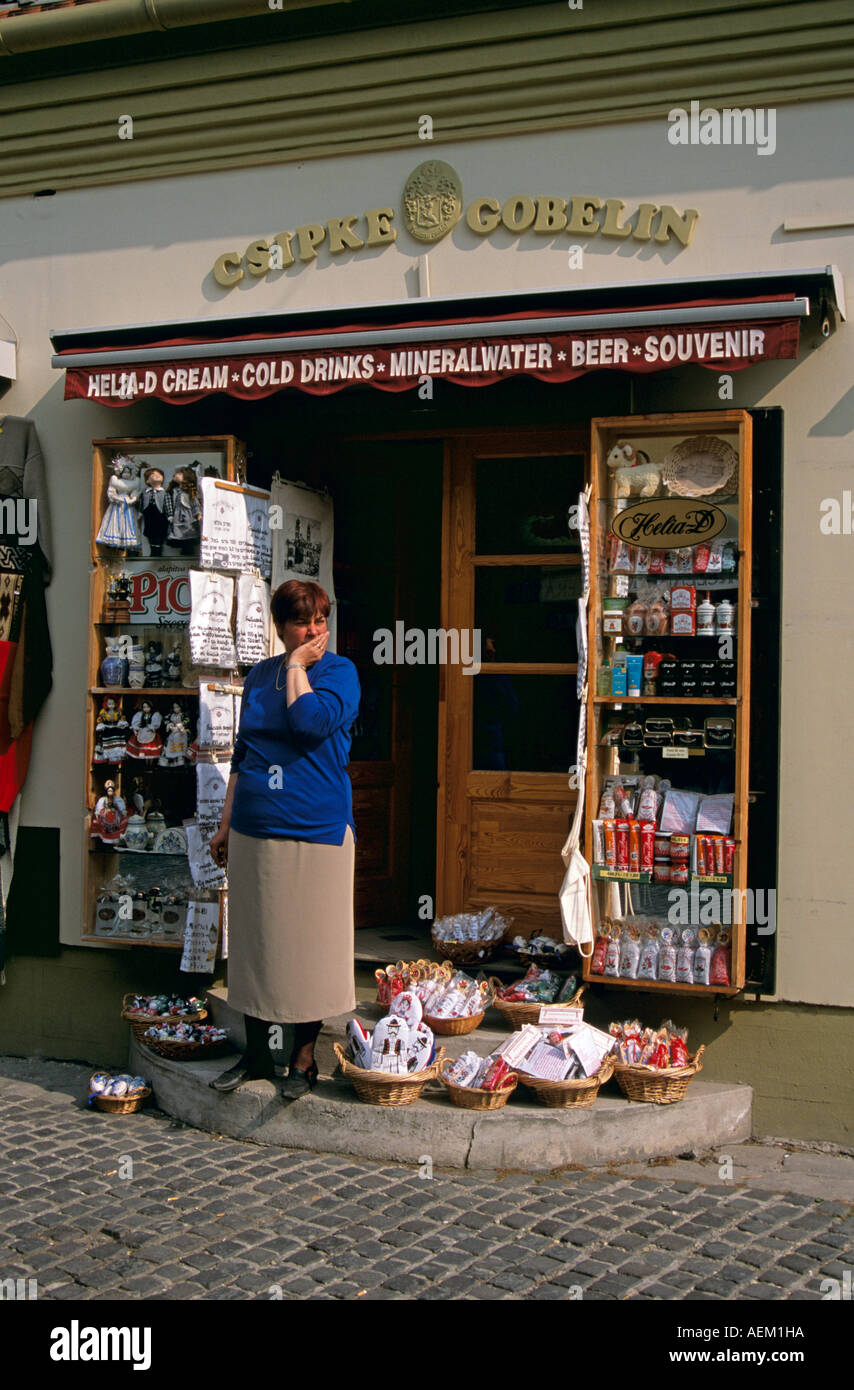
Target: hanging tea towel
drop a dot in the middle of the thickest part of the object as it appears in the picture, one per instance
(216, 718)
(211, 786)
(253, 620)
(211, 639)
(204, 872)
(200, 938)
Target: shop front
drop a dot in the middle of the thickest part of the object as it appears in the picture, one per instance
(451, 443)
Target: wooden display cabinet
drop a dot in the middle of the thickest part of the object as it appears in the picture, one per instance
(158, 609)
(690, 768)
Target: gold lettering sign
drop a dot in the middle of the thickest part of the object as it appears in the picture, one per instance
(666, 523)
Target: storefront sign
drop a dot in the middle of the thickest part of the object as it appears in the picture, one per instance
(160, 596)
(432, 205)
(666, 523)
(557, 357)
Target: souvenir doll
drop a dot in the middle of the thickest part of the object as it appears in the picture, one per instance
(110, 816)
(177, 738)
(110, 732)
(174, 665)
(184, 523)
(118, 526)
(145, 741)
(154, 664)
(155, 506)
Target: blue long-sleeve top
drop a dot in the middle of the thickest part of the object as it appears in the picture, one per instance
(291, 764)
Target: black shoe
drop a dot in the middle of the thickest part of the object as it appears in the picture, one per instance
(247, 1069)
(299, 1082)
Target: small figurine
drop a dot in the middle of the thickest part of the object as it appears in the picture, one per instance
(185, 521)
(155, 506)
(174, 665)
(110, 816)
(145, 741)
(119, 589)
(177, 737)
(110, 732)
(154, 664)
(118, 525)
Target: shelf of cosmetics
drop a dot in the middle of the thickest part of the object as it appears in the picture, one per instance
(672, 612)
(141, 830)
(151, 737)
(142, 914)
(638, 674)
(644, 949)
(673, 735)
(716, 561)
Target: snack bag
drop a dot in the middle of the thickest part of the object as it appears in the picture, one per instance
(612, 956)
(568, 990)
(667, 955)
(719, 973)
(597, 963)
(407, 1006)
(421, 1048)
(678, 1047)
(703, 957)
(685, 958)
(648, 965)
(495, 1073)
(629, 954)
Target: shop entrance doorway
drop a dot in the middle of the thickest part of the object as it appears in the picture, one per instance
(511, 569)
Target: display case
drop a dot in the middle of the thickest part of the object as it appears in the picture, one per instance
(668, 700)
(143, 697)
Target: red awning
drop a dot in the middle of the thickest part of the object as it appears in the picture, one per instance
(553, 346)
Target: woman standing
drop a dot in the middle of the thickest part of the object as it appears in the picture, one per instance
(287, 834)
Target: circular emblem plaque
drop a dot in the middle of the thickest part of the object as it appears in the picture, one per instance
(432, 200)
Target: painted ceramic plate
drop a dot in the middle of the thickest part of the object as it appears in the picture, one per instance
(171, 841)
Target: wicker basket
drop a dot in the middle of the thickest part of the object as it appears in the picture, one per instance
(517, 1015)
(561, 1094)
(454, 1027)
(471, 1098)
(720, 475)
(121, 1105)
(657, 1085)
(177, 1050)
(378, 1088)
(139, 1022)
(467, 952)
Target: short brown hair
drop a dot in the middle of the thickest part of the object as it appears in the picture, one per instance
(297, 601)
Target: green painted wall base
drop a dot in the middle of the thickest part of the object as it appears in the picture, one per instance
(794, 1056)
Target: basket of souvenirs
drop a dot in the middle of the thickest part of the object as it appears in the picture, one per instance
(478, 1083)
(391, 1065)
(520, 1002)
(563, 1064)
(577, 1091)
(142, 1011)
(376, 1087)
(542, 950)
(469, 938)
(118, 1095)
(654, 1065)
(185, 1042)
(452, 1003)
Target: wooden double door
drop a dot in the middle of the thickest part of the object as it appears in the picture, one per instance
(511, 571)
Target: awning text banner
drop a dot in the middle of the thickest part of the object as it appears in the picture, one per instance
(557, 357)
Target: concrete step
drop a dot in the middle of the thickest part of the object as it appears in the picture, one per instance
(525, 1135)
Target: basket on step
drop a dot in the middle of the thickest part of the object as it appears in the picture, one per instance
(121, 1105)
(184, 1050)
(517, 1015)
(139, 1022)
(576, 1093)
(658, 1085)
(466, 952)
(475, 1098)
(382, 1088)
(454, 1027)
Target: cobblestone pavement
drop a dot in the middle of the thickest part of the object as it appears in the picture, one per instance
(209, 1218)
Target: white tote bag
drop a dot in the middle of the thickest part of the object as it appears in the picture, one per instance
(577, 899)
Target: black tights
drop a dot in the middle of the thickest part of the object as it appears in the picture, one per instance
(258, 1035)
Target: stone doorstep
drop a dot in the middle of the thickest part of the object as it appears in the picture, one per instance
(524, 1135)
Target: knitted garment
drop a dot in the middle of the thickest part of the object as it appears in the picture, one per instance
(22, 474)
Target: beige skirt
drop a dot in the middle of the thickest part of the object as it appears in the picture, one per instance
(290, 928)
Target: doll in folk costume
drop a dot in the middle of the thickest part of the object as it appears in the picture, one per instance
(145, 740)
(155, 506)
(177, 737)
(110, 732)
(118, 524)
(185, 521)
(110, 816)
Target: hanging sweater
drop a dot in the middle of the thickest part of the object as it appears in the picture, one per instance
(22, 474)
